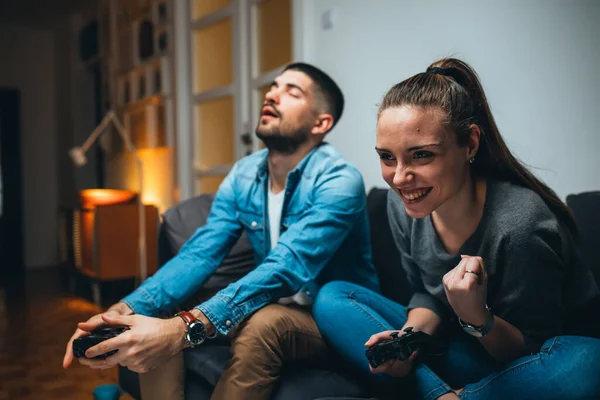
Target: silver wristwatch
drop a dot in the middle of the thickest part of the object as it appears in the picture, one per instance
(479, 331)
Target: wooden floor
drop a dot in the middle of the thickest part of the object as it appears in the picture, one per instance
(36, 320)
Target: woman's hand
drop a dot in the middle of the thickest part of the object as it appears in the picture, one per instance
(396, 368)
(466, 290)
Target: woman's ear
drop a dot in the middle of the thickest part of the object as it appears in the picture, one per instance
(473, 141)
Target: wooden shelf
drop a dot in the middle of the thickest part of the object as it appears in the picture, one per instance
(136, 85)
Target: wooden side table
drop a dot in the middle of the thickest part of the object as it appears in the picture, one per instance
(105, 242)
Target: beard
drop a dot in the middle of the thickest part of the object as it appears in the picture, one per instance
(282, 142)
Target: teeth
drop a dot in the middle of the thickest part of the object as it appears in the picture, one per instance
(413, 196)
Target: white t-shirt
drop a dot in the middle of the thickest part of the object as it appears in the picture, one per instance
(275, 203)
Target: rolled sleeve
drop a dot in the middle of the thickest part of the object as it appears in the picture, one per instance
(430, 302)
(221, 313)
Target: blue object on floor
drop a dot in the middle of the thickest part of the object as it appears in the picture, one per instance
(107, 392)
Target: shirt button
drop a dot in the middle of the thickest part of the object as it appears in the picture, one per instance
(307, 293)
(228, 323)
(254, 224)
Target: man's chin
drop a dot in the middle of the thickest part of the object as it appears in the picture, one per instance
(267, 130)
(265, 135)
(278, 143)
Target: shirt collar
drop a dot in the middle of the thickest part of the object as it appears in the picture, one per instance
(263, 166)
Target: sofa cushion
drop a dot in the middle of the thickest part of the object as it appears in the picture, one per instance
(208, 361)
(297, 381)
(196, 389)
(181, 221)
(386, 256)
(300, 383)
(586, 211)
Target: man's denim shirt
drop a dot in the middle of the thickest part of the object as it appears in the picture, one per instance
(324, 237)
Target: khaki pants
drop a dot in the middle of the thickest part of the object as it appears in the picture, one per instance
(259, 346)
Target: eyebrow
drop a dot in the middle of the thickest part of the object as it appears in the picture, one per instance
(290, 86)
(411, 148)
(423, 146)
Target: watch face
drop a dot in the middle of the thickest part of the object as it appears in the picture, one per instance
(196, 333)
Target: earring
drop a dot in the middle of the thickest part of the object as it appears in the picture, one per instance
(472, 160)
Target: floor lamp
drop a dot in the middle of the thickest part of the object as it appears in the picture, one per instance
(78, 156)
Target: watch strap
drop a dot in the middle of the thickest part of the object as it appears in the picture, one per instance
(187, 317)
(479, 331)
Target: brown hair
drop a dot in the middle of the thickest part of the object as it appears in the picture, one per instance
(454, 86)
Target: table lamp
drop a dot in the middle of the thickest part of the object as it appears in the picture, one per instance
(79, 159)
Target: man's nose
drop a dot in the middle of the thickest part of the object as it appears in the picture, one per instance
(272, 96)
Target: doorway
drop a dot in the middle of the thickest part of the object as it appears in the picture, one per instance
(11, 203)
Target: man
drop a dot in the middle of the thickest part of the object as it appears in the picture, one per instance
(303, 208)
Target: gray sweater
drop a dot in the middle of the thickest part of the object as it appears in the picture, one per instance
(534, 275)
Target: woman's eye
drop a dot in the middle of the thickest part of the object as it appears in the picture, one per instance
(422, 154)
(386, 157)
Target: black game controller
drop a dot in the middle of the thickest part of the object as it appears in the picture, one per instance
(402, 347)
(80, 345)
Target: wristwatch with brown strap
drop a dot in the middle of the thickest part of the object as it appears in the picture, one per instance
(195, 333)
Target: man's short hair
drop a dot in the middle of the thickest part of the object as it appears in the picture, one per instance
(330, 91)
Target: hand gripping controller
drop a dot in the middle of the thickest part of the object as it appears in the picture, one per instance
(401, 347)
(80, 345)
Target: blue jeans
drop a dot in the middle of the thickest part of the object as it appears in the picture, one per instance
(566, 367)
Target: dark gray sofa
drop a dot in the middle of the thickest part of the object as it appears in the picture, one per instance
(205, 364)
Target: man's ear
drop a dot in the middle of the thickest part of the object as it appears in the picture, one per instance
(473, 141)
(323, 124)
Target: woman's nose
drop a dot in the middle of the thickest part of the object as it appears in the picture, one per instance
(402, 177)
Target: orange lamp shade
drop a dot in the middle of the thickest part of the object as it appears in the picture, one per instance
(91, 198)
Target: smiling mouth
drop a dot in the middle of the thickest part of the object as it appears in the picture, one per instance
(415, 195)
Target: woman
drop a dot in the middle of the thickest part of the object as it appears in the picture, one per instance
(488, 251)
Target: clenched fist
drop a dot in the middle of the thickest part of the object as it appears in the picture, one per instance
(466, 290)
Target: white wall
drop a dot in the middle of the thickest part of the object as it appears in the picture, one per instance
(539, 61)
(27, 63)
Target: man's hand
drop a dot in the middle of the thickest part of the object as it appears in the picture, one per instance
(466, 290)
(95, 322)
(396, 368)
(148, 343)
